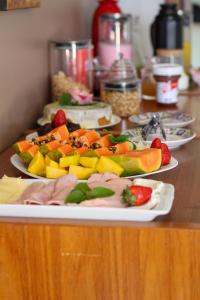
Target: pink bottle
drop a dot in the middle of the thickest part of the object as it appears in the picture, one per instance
(105, 6)
(115, 38)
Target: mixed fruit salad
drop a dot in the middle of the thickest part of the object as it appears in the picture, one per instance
(85, 152)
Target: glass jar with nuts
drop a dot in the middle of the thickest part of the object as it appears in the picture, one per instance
(124, 96)
(121, 88)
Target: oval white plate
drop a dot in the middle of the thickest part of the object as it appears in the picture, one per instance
(114, 121)
(169, 118)
(18, 164)
(91, 213)
(176, 137)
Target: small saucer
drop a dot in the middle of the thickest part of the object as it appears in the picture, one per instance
(176, 137)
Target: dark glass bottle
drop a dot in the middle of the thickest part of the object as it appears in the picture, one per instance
(167, 29)
(105, 6)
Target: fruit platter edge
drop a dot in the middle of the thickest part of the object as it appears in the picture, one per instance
(18, 164)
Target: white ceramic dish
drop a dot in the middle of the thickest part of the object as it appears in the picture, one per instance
(17, 163)
(176, 137)
(169, 118)
(114, 121)
(91, 213)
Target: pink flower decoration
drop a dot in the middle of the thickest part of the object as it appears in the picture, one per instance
(81, 97)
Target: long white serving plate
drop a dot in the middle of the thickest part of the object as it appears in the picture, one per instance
(91, 213)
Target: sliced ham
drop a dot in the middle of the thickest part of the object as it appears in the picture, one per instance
(56, 202)
(63, 186)
(52, 193)
(102, 177)
(117, 185)
(113, 201)
(28, 197)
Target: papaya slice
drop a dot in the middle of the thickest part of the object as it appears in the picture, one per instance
(139, 161)
(89, 137)
(81, 150)
(21, 146)
(122, 148)
(44, 149)
(59, 152)
(104, 151)
(28, 154)
(78, 133)
(60, 133)
(103, 141)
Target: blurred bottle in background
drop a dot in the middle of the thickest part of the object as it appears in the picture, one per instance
(105, 6)
(167, 34)
(148, 81)
(138, 47)
(115, 38)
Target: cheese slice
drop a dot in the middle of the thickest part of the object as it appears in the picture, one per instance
(11, 189)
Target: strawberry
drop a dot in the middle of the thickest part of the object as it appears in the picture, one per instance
(136, 195)
(59, 119)
(166, 155)
(156, 143)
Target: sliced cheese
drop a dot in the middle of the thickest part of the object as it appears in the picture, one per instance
(11, 189)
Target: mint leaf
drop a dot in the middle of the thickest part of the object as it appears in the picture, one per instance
(99, 192)
(83, 187)
(76, 196)
(65, 99)
(118, 139)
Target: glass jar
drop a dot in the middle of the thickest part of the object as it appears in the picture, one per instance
(122, 89)
(115, 38)
(104, 7)
(148, 81)
(71, 59)
(167, 77)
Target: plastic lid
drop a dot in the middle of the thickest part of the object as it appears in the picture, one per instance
(167, 70)
(121, 85)
(116, 16)
(122, 69)
(70, 44)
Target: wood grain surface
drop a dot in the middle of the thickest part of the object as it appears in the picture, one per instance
(15, 4)
(55, 262)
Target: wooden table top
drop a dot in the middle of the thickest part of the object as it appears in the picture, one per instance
(185, 178)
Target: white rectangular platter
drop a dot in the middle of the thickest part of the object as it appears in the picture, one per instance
(91, 213)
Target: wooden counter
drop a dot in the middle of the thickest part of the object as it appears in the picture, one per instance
(52, 259)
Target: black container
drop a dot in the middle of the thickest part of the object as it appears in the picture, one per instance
(167, 29)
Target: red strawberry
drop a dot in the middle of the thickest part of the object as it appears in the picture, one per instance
(166, 155)
(156, 143)
(59, 119)
(136, 195)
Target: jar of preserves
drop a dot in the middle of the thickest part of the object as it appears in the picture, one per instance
(167, 77)
(122, 89)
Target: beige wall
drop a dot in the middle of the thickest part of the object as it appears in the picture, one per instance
(24, 36)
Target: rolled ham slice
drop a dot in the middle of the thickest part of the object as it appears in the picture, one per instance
(102, 177)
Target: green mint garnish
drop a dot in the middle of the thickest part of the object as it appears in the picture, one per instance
(118, 139)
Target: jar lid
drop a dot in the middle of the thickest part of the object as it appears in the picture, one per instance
(118, 85)
(116, 16)
(167, 70)
(122, 69)
(70, 44)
